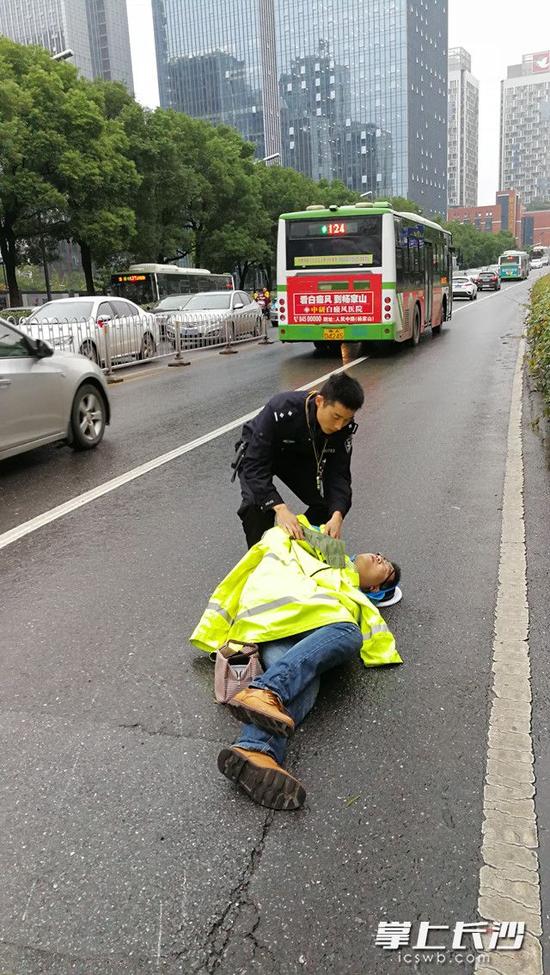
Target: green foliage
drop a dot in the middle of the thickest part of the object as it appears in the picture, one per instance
(477, 248)
(33, 90)
(538, 337)
(334, 193)
(63, 169)
(538, 205)
(84, 161)
(31, 278)
(403, 205)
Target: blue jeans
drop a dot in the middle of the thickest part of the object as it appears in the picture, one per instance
(293, 667)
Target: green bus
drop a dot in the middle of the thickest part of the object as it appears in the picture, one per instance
(513, 266)
(362, 272)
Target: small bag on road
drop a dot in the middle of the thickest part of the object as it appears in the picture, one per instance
(236, 665)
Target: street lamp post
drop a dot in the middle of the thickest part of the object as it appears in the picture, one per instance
(367, 195)
(63, 55)
(266, 159)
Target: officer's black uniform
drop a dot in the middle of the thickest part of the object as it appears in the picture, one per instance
(285, 440)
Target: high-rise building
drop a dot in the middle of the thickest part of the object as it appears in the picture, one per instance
(348, 89)
(216, 61)
(525, 128)
(463, 130)
(95, 30)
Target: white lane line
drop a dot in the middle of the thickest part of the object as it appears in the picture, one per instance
(26, 527)
(509, 880)
(474, 304)
(159, 943)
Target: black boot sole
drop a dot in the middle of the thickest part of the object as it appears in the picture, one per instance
(267, 787)
(263, 721)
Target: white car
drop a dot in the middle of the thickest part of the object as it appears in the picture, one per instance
(464, 287)
(536, 263)
(47, 395)
(78, 325)
(214, 317)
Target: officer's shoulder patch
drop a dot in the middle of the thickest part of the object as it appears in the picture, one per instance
(348, 443)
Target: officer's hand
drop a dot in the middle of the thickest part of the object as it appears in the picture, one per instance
(288, 521)
(333, 526)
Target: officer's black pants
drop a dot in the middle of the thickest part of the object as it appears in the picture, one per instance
(256, 521)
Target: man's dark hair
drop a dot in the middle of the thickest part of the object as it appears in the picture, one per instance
(396, 576)
(341, 388)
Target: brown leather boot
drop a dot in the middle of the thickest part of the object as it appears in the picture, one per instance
(266, 782)
(262, 708)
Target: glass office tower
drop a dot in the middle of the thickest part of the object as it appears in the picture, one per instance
(348, 89)
(216, 61)
(95, 30)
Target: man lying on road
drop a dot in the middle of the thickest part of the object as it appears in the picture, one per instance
(307, 617)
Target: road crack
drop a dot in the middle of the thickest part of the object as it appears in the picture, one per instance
(218, 936)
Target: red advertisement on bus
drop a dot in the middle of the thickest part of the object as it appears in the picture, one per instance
(338, 299)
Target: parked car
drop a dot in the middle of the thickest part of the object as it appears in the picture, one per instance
(212, 317)
(490, 280)
(274, 313)
(463, 287)
(78, 325)
(166, 308)
(47, 395)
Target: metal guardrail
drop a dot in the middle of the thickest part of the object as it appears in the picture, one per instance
(116, 343)
(208, 329)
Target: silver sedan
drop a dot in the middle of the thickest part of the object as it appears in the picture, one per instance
(47, 396)
(213, 317)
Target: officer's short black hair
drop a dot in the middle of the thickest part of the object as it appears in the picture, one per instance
(341, 388)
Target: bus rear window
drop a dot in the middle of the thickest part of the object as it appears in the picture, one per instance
(342, 242)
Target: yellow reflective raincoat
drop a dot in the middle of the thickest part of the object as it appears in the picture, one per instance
(282, 587)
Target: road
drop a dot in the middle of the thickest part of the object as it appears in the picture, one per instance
(122, 849)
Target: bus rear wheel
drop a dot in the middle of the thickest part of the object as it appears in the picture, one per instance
(436, 329)
(415, 337)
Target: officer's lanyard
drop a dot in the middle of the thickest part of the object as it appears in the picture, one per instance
(318, 457)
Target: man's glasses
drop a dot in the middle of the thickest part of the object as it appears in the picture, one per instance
(391, 574)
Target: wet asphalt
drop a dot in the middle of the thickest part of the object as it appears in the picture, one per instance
(122, 849)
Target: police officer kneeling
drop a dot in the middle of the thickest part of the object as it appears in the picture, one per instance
(304, 439)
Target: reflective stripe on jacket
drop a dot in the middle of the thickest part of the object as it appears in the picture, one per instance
(280, 588)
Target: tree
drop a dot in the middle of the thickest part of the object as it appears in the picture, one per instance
(32, 94)
(284, 190)
(161, 145)
(64, 173)
(228, 191)
(98, 180)
(538, 205)
(404, 205)
(335, 193)
(476, 248)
